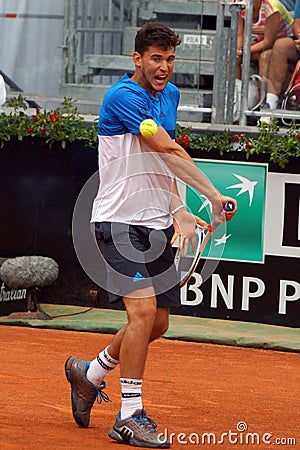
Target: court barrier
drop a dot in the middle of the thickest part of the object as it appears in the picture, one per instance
(250, 273)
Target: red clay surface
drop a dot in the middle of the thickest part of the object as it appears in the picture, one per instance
(189, 388)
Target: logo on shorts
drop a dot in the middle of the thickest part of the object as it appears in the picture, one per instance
(138, 277)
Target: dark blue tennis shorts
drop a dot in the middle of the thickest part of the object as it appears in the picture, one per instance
(137, 257)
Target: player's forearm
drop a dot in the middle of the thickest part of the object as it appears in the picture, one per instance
(184, 168)
(175, 202)
(182, 165)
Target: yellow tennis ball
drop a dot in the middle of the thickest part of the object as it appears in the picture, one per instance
(148, 128)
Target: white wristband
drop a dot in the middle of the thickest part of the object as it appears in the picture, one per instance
(177, 209)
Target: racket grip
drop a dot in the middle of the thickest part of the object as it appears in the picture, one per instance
(229, 206)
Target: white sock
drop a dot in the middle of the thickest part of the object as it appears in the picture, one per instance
(272, 100)
(100, 367)
(131, 396)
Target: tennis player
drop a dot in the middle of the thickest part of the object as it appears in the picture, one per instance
(135, 212)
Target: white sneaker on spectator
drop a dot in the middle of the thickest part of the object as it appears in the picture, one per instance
(266, 118)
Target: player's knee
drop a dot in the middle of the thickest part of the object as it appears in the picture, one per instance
(144, 314)
(164, 326)
(163, 329)
(148, 312)
(159, 329)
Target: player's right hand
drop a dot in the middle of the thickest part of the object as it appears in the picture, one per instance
(229, 214)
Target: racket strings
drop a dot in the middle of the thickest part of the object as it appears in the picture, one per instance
(185, 274)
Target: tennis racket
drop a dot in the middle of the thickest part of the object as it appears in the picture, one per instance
(203, 235)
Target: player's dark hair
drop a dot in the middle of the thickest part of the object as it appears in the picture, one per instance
(157, 35)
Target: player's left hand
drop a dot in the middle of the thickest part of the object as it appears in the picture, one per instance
(184, 228)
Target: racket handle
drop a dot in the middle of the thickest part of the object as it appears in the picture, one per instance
(229, 206)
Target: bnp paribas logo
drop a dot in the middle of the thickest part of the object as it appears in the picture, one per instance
(242, 238)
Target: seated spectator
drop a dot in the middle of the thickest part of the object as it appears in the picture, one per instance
(285, 52)
(2, 92)
(271, 21)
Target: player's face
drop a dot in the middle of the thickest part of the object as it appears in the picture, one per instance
(154, 68)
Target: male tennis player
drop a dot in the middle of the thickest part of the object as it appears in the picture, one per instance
(133, 213)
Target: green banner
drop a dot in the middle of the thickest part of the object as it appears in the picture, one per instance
(242, 238)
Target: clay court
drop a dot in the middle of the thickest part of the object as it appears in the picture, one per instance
(190, 387)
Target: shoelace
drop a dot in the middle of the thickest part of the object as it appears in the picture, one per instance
(148, 424)
(102, 396)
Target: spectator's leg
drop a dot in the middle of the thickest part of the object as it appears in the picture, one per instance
(264, 63)
(263, 69)
(284, 52)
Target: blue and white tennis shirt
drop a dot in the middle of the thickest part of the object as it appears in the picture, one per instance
(135, 184)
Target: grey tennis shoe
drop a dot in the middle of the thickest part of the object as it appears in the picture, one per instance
(138, 431)
(83, 393)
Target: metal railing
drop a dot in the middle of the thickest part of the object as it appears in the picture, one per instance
(93, 27)
(96, 29)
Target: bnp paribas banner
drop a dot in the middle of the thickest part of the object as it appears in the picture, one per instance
(241, 239)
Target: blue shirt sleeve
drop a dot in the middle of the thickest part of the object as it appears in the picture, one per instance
(297, 10)
(123, 110)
